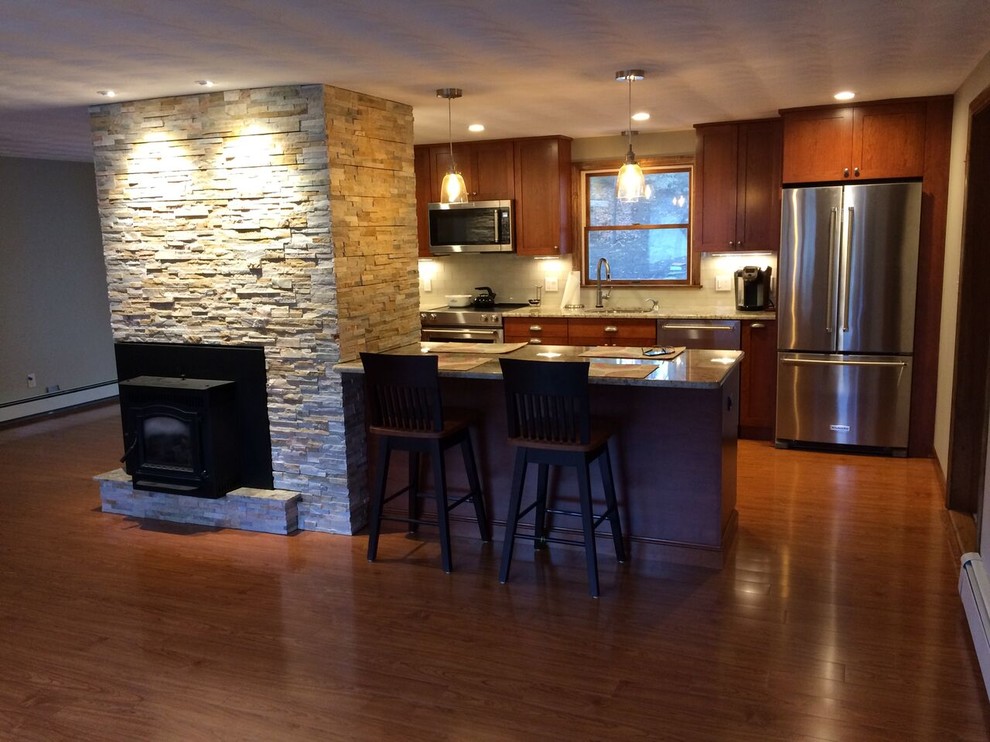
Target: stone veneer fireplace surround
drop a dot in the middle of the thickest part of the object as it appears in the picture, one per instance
(279, 217)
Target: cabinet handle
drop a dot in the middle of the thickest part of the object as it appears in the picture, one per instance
(856, 171)
(698, 327)
(731, 243)
(757, 325)
(845, 172)
(535, 328)
(611, 328)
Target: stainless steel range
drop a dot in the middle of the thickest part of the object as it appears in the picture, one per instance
(467, 325)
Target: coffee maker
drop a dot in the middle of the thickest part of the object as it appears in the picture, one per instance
(753, 288)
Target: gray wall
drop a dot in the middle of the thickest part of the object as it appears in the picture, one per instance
(54, 313)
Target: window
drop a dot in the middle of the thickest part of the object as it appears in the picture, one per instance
(646, 242)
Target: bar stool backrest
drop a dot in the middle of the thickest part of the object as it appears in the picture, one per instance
(403, 392)
(547, 401)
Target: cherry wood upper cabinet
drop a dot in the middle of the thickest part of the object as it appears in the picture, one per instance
(737, 193)
(543, 195)
(487, 168)
(424, 194)
(868, 141)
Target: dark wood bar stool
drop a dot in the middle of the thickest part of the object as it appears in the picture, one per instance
(407, 415)
(549, 422)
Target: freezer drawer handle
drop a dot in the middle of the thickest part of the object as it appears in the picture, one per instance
(697, 327)
(816, 362)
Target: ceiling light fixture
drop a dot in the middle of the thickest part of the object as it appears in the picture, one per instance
(844, 95)
(630, 184)
(476, 128)
(206, 83)
(453, 189)
(107, 93)
(641, 116)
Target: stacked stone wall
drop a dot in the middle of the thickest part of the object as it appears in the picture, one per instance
(282, 217)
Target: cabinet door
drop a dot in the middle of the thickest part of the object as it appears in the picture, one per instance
(758, 379)
(487, 168)
(716, 163)
(424, 194)
(817, 144)
(889, 141)
(593, 331)
(492, 171)
(535, 330)
(758, 186)
(543, 195)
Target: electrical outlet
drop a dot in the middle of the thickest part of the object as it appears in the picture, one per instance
(723, 283)
(550, 283)
(32, 381)
(52, 389)
(427, 285)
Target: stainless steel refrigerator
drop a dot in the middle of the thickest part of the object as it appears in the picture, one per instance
(846, 288)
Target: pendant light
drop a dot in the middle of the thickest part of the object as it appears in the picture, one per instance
(453, 189)
(630, 184)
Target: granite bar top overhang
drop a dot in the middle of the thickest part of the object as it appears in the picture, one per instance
(692, 369)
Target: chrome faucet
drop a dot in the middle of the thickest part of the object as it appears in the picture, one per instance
(608, 277)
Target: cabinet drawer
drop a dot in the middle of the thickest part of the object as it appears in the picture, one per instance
(593, 331)
(535, 330)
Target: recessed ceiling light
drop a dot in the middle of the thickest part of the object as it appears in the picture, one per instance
(206, 83)
(641, 116)
(107, 93)
(844, 95)
(476, 127)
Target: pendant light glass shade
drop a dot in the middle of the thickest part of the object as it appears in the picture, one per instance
(453, 190)
(630, 183)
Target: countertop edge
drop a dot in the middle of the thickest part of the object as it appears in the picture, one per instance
(490, 369)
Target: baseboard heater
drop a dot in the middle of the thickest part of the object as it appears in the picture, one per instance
(974, 588)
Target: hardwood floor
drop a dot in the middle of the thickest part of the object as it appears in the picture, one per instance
(837, 618)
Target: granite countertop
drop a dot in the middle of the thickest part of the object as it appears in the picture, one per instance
(725, 313)
(691, 369)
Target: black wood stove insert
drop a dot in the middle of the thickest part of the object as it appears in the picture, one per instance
(244, 365)
(181, 435)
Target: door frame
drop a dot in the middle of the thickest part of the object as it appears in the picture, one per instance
(968, 430)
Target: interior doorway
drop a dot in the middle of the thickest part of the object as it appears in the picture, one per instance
(971, 382)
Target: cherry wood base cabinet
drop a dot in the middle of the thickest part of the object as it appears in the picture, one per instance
(580, 331)
(758, 379)
(535, 330)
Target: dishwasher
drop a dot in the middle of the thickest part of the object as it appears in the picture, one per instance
(708, 334)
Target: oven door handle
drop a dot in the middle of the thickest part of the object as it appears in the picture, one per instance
(433, 334)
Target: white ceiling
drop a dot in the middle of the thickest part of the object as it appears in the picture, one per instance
(527, 67)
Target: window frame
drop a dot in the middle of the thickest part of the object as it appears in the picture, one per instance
(649, 164)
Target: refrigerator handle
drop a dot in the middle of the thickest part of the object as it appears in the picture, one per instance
(840, 362)
(847, 269)
(832, 217)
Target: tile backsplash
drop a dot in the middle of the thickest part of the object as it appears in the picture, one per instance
(515, 279)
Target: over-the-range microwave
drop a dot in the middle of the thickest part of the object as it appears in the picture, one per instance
(481, 226)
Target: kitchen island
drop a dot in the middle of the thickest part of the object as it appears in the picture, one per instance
(673, 455)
